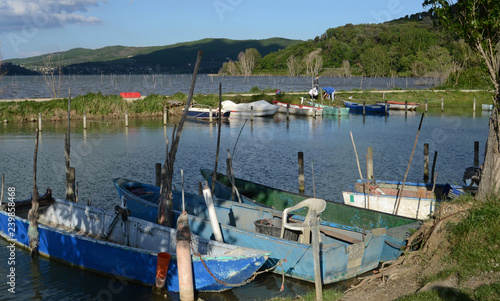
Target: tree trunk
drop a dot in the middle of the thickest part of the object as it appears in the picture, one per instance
(490, 177)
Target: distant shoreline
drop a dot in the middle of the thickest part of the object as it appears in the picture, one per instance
(290, 93)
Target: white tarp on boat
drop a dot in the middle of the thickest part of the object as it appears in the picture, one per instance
(259, 105)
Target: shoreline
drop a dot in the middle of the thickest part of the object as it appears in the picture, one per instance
(43, 99)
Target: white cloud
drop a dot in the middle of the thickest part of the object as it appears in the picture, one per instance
(20, 14)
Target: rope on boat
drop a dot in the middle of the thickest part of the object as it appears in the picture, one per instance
(252, 278)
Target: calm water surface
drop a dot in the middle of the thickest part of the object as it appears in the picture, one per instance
(35, 87)
(265, 152)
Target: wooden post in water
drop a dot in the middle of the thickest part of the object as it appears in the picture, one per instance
(33, 213)
(84, 120)
(70, 171)
(426, 162)
(433, 166)
(287, 112)
(184, 261)
(158, 174)
(476, 153)
(369, 164)
(386, 107)
(126, 118)
(210, 114)
(164, 115)
(316, 257)
(364, 105)
(302, 185)
(474, 105)
(251, 113)
(406, 107)
(442, 104)
(426, 106)
(1, 197)
(39, 122)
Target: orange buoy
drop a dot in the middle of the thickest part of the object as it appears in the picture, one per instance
(162, 268)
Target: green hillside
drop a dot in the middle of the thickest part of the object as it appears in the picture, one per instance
(174, 58)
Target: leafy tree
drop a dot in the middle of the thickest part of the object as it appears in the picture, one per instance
(478, 23)
(248, 60)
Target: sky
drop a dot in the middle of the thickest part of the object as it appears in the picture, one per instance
(36, 27)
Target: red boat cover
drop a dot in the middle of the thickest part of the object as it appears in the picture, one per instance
(130, 95)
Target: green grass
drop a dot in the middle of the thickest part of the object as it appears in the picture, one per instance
(476, 240)
(99, 105)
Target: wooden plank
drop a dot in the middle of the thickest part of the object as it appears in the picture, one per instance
(330, 233)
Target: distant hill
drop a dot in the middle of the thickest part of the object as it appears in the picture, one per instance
(176, 58)
(11, 69)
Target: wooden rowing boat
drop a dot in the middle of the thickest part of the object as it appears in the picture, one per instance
(345, 251)
(122, 246)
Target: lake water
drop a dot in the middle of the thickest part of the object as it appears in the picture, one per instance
(265, 151)
(12, 87)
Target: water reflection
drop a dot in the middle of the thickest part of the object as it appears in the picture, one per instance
(265, 152)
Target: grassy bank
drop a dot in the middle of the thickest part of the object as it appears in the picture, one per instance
(458, 259)
(112, 106)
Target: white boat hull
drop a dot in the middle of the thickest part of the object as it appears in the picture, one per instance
(411, 207)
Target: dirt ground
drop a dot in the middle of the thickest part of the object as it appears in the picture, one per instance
(404, 276)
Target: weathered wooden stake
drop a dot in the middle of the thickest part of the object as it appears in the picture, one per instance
(214, 176)
(40, 122)
(164, 115)
(1, 197)
(287, 112)
(386, 107)
(442, 104)
(406, 107)
(426, 162)
(70, 184)
(251, 113)
(474, 105)
(165, 205)
(426, 106)
(33, 213)
(84, 120)
(302, 185)
(158, 174)
(364, 105)
(316, 248)
(210, 114)
(476, 153)
(126, 118)
(369, 163)
(433, 166)
(184, 261)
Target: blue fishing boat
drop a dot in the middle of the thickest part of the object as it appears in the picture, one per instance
(398, 228)
(127, 247)
(345, 251)
(355, 107)
(204, 113)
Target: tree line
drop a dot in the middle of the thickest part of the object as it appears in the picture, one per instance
(405, 47)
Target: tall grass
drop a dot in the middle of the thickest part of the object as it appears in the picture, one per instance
(476, 239)
(99, 105)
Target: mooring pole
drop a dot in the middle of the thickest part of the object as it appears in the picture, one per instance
(426, 162)
(476, 153)
(302, 185)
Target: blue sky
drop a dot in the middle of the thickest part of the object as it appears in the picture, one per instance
(35, 27)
